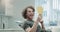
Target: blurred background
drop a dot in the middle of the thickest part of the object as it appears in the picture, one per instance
(11, 13)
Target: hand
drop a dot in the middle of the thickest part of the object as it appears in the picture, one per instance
(41, 21)
(40, 18)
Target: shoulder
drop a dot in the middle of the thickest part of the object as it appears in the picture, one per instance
(26, 22)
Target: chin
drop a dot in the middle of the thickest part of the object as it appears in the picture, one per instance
(31, 18)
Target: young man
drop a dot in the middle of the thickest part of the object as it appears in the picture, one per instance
(29, 24)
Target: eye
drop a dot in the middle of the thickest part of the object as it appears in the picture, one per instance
(29, 11)
(32, 11)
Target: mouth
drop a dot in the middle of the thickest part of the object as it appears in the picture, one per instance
(31, 15)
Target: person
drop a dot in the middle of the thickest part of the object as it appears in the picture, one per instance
(30, 25)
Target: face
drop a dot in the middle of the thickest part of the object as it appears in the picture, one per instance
(30, 13)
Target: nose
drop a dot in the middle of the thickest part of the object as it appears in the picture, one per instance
(32, 12)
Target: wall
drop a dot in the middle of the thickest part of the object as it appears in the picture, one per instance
(10, 12)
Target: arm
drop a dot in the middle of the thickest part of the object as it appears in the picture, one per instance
(43, 28)
(41, 21)
(42, 24)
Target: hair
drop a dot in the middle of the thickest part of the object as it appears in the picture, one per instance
(25, 11)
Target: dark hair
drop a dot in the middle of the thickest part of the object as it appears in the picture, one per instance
(25, 11)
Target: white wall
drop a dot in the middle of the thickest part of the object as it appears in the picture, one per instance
(12, 10)
(17, 7)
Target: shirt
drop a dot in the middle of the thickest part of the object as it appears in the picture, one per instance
(29, 23)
